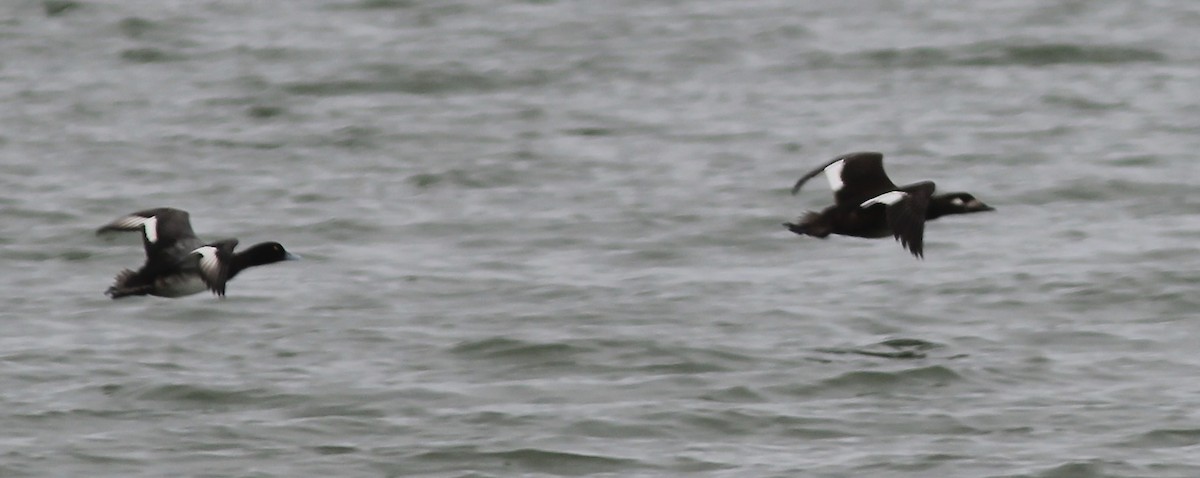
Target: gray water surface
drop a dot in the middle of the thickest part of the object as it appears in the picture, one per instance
(542, 238)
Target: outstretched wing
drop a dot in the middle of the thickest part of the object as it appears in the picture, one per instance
(906, 208)
(212, 263)
(162, 228)
(853, 177)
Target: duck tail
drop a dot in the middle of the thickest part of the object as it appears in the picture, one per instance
(808, 225)
(122, 288)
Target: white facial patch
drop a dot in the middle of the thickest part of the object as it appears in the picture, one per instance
(209, 264)
(833, 173)
(151, 226)
(889, 198)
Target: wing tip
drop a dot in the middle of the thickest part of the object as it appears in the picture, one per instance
(916, 249)
(798, 185)
(217, 286)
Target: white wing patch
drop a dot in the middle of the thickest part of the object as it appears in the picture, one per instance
(131, 223)
(151, 226)
(148, 226)
(956, 201)
(833, 173)
(210, 266)
(889, 198)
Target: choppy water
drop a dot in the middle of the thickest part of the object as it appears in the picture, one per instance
(542, 239)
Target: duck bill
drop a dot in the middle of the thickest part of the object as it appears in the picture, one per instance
(291, 257)
(978, 206)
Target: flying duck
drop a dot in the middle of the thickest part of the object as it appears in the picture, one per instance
(868, 204)
(177, 262)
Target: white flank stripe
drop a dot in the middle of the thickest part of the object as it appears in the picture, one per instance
(889, 198)
(833, 173)
(151, 225)
(209, 264)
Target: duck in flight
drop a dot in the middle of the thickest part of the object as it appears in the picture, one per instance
(868, 204)
(177, 262)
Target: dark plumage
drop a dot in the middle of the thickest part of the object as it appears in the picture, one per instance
(868, 204)
(177, 262)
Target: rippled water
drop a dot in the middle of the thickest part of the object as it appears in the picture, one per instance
(542, 239)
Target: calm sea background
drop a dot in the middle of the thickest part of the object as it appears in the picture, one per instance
(542, 238)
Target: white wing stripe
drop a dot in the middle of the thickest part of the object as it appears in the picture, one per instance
(209, 264)
(889, 198)
(833, 173)
(128, 222)
(151, 226)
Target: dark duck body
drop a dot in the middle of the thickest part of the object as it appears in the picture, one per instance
(868, 204)
(177, 262)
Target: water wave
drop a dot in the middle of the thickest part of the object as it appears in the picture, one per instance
(531, 460)
(1166, 438)
(420, 81)
(512, 349)
(206, 396)
(149, 55)
(892, 348)
(1001, 54)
